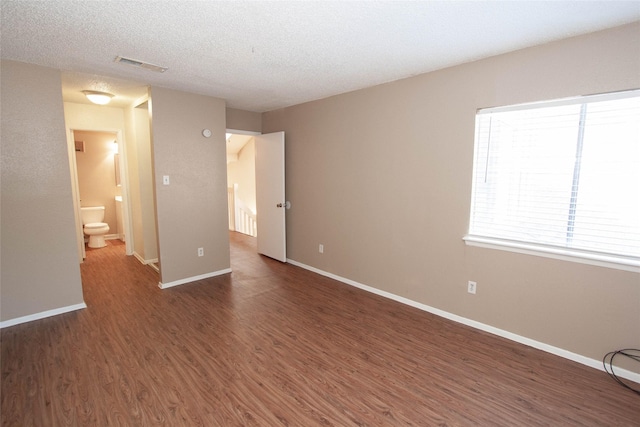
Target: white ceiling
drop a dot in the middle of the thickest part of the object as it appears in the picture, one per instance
(265, 55)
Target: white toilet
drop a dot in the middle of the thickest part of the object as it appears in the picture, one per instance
(92, 218)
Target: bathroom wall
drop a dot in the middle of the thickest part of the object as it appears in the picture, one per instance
(96, 173)
(39, 268)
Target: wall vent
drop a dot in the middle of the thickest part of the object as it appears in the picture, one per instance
(140, 64)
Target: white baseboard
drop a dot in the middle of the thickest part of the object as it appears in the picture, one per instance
(42, 315)
(193, 279)
(144, 261)
(107, 237)
(593, 363)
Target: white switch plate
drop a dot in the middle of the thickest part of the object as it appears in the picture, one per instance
(200, 251)
(165, 179)
(321, 248)
(471, 287)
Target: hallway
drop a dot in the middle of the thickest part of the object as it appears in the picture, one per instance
(273, 344)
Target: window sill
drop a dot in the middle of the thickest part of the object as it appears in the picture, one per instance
(584, 257)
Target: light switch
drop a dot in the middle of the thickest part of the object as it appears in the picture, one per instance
(165, 180)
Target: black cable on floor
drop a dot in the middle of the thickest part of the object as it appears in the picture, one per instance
(632, 353)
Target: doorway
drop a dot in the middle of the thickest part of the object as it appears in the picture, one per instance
(259, 163)
(241, 182)
(97, 162)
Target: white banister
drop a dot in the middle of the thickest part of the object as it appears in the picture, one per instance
(245, 220)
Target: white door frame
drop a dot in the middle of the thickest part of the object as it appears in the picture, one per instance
(238, 132)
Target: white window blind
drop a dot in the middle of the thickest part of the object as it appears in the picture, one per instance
(560, 176)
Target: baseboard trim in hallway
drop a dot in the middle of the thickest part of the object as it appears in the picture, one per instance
(143, 260)
(592, 363)
(42, 315)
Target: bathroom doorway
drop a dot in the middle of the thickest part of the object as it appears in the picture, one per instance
(99, 178)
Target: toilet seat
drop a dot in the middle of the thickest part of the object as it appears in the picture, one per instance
(95, 225)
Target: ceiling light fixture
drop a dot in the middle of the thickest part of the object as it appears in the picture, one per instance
(100, 98)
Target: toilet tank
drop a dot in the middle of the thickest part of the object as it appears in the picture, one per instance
(92, 214)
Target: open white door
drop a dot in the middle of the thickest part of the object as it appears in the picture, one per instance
(270, 198)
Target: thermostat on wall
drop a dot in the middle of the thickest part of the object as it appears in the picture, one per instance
(206, 133)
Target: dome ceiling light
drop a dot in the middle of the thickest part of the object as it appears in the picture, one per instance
(100, 98)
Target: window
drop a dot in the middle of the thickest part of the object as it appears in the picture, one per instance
(560, 178)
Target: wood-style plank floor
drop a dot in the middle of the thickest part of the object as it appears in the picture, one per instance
(275, 345)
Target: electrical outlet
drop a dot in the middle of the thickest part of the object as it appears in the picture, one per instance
(321, 248)
(471, 287)
(200, 251)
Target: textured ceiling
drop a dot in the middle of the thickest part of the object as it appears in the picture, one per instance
(260, 56)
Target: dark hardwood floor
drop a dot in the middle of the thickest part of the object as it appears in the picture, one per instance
(272, 344)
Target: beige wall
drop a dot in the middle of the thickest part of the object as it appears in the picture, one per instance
(382, 178)
(93, 117)
(97, 175)
(39, 261)
(243, 173)
(192, 210)
(243, 120)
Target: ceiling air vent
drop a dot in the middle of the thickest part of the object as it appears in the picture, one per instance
(140, 64)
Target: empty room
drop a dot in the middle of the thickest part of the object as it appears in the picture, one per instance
(305, 213)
